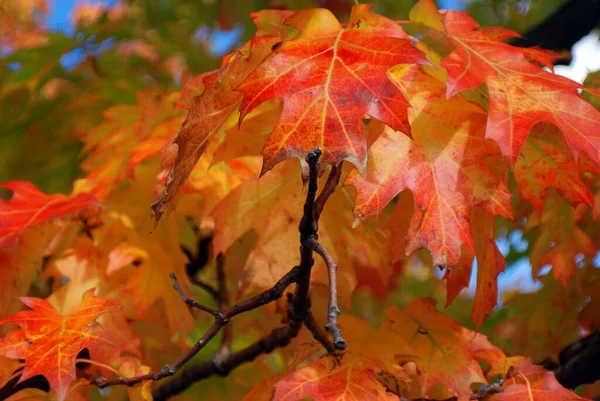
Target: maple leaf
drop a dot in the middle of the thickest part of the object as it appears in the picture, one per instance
(546, 161)
(329, 77)
(521, 93)
(444, 166)
(208, 112)
(445, 352)
(355, 375)
(326, 380)
(534, 383)
(28, 207)
(55, 340)
(87, 264)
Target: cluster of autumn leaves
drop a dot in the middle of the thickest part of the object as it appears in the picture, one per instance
(451, 116)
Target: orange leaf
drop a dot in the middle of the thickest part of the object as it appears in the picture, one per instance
(521, 93)
(444, 166)
(130, 367)
(208, 112)
(272, 207)
(55, 340)
(327, 380)
(546, 161)
(446, 353)
(329, 78)
(29, 207)
(355, 375)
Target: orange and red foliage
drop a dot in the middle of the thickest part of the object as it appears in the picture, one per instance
(479, 133)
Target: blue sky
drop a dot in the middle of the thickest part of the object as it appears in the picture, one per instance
(60, 13)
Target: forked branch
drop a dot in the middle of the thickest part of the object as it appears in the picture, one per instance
(334, 310)
(221, 319)
(298, 311)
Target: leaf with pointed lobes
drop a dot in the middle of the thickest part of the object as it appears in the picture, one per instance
(447, 353)
(329, 77)
(534, 383)
(545, 162)
(207, 114)
(560, 240)
(521, 92)
(355, 375)
(28, 207)
(445, 166)
(54, 340)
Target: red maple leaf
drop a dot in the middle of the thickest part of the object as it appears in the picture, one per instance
(329, 78)
(49, 341)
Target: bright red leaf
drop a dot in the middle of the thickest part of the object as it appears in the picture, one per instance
(329, 77)
(521, 92)
(28, 206)
(444, 166)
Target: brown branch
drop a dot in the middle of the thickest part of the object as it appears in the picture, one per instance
(311, 324)
(221, 319)
(189, 301)
(334, 310)
(309, 223)
(297, 310)
(279, 337)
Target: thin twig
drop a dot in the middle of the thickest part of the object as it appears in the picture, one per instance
(334, 310)
(188, 300)
(311, 324)
(297, 310)
(278, 337)
(328, 188)
(221, 319)
(206, 287)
